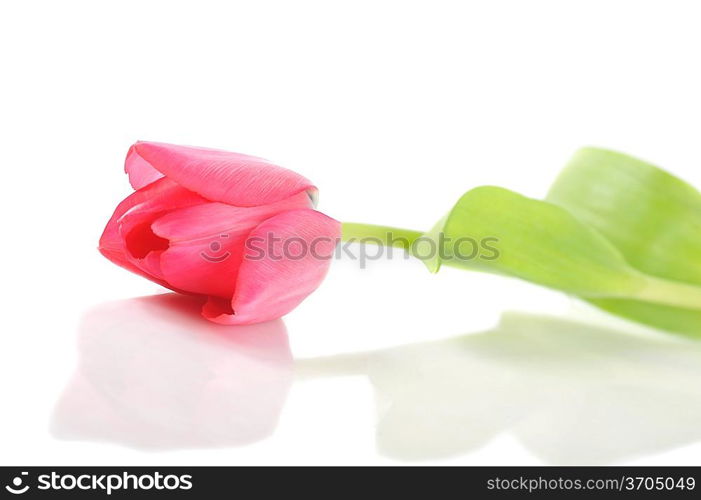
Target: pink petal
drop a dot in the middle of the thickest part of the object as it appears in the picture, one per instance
(140, 172)
(269, 288)
(127, 236)
(231, 178)
(212, 218)
(207, 243)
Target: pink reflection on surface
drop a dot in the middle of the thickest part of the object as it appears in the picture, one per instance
(153, 374)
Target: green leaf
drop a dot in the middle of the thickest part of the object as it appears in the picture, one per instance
(536, 240)
(652, 217)
(545, 244)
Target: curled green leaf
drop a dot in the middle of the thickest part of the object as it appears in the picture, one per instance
(545, 244)
(536, 241)
(651, 216)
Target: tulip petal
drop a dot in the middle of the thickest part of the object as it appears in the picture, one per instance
(287, 258)
(207, 266)
(206, 242)
(231, 178)
(128, 239)
(212, 218)
(140, 172)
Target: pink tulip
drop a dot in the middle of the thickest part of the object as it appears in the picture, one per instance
(235, 229)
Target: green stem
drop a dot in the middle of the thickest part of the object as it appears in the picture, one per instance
(379, 235)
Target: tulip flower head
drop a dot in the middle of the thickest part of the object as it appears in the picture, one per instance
(237, 230)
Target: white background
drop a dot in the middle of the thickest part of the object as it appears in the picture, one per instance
(393, 109)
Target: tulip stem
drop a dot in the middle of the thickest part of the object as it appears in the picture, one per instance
(379, 235)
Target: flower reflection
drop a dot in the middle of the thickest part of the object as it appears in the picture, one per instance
(153, 374)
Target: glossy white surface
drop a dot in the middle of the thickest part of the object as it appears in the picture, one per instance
(393, 109)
